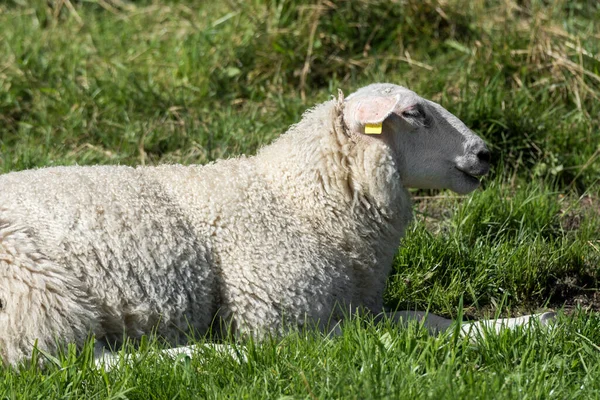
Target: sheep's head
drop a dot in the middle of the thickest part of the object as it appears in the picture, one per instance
(433, 148)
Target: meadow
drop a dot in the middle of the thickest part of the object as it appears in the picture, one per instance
(142, 83)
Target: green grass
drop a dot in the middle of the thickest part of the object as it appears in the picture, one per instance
(108, 82)
(367, 361)
(523, 247)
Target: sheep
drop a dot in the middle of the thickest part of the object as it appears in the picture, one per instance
(298, 234)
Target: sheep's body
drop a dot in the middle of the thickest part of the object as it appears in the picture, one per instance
(285, 235)
(301, 233)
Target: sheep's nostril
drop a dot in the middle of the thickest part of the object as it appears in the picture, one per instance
(484, 155)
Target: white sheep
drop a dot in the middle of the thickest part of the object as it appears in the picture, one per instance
(302, 232)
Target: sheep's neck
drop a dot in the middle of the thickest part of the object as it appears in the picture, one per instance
(316, 165)
(349, 193)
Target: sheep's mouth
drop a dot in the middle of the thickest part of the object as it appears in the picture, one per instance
(474, 179)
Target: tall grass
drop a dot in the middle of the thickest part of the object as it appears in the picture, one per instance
(519, 247)
(366, 361)
(122, 83)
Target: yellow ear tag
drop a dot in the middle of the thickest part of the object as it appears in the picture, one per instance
(373, 129)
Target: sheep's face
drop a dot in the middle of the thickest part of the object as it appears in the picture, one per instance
(433, 148)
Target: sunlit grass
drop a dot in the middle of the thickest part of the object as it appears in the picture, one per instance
(108, 82)
(366, 361)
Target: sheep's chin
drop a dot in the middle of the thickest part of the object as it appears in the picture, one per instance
(464, 183)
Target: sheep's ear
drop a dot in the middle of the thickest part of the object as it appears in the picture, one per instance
(365, 115)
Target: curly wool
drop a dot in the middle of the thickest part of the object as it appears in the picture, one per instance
(309, 224)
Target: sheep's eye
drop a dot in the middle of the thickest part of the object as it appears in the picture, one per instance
(417, 116)
(412, 113)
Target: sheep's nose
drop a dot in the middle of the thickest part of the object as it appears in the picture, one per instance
(484, 155)
(476, 160)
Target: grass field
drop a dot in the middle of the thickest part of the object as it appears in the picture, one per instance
(110, 82)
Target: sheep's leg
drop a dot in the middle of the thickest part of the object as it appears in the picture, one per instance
(33, 312)
(109, 360)
(436, 324)
(432, 322)
(40, 304)
(479, 328)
